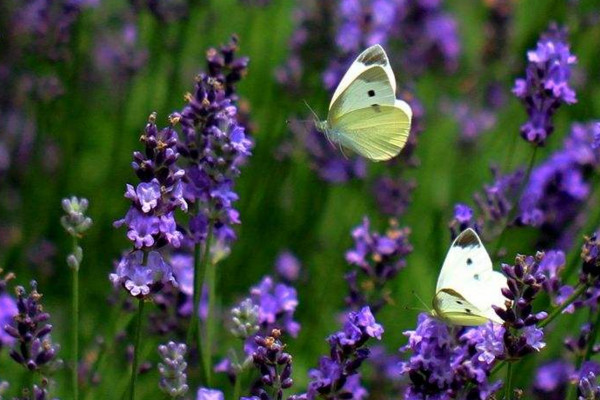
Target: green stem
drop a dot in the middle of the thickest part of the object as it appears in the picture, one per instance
(514, 209)
(592, 338)
(237, 386)
(75, 325)
(209, 278)
(508, 384)
(197, 287)
(136, 349)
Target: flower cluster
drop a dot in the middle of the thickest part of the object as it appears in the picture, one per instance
(75, 222)
(214, 145)
(337, 376)
(8, 309)
(525, 281)
(446, 364)
(150, 220)
(245, 319)
(559, 186)
(173, 378)
(378, 259)
(117, 53)
(47, 26)
(277, 304)
(546, 84)
(288, 266)
(494, 204)
(33, 347)
(274, 364)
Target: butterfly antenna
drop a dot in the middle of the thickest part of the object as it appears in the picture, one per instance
(421, 300)
(317, 119)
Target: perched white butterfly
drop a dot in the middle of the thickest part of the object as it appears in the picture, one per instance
(364, 114)
(468, 286)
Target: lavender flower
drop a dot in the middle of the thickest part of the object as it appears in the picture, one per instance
(173, 379)
(34, 348)
(150, 220)
(472, 121)
(8, 310)
(214, 145)
(337, 375)
(552, 379)
(378, 259)
(558, 187)
(546, 85)
(274, 364)
(393, 195)
(288, 266)
(445, 364)
(75, 221)
(117, 54)
(209, 394)
(245, 319)
(525, 280)
(588, 388)
(277, 304)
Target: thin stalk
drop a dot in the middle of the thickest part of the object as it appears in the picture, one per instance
(508, 384)
(592, 338)
(237, 386)
(136, 349)
(209, 278)
(513, 211)
(197, 287)
(75, 325)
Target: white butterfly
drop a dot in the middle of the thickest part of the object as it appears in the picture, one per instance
(364, 114)
(468, 286)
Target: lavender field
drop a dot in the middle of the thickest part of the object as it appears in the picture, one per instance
(174, 226)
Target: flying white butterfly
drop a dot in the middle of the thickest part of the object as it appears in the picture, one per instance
(364, 114)
(468, 286)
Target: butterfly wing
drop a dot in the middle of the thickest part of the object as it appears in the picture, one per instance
(373, 56)
(371, 87)
(467, 284)
(456, 310)
(378, 132)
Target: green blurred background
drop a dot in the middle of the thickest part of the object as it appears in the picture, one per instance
(283, 203)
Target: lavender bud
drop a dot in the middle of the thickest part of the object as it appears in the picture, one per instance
(172, 369)
(245, 319)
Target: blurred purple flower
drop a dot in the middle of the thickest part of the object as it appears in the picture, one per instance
(551, 380)
(472, 121)
(209, 394)
(8, 309)
(546, 85)
(118, 54)
(393, 195)
(288, 266)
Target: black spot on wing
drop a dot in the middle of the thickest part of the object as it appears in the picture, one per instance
(376, 107)
(371, 93)
(459, 302)
(469, 261)
(468, 311)
(476, 277)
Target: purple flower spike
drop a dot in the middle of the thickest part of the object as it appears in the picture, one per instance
(551, 380)
(274, 364)
(288, 266)
(337, 376)
(378, 258)
(33, 347)
(546, 85)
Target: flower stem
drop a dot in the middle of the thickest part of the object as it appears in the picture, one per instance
(75, 326)
(556, 312)
(136, 348)
(515, 207)
(209, 277)
(592, 338)
(508, 384)
(237, 386)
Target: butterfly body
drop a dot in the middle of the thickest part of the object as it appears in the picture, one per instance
(468, 287)
(364, 114)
